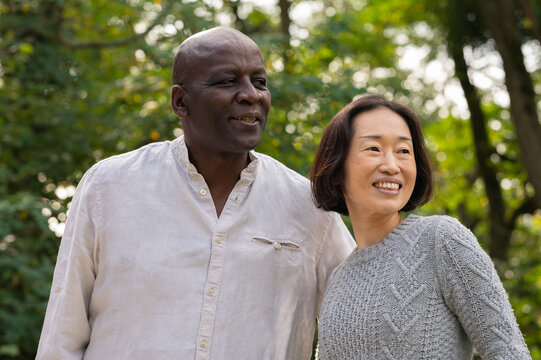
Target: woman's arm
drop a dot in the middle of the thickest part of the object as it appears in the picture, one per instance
(474, 293)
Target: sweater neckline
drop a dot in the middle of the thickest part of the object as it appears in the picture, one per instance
(368, 253)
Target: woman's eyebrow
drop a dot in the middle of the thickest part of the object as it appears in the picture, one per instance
(405, 138)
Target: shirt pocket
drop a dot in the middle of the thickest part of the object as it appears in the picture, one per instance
(283, 250)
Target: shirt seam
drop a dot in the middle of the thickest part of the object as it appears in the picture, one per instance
(323, 239)
(99, 226)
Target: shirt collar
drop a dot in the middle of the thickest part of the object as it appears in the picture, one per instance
(181, 153)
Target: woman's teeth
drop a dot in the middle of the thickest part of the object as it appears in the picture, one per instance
(387, 186)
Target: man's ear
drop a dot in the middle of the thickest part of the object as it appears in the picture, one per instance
(177, 101)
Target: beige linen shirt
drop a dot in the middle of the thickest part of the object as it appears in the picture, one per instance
(146, 270)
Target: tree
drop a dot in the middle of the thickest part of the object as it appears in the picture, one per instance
(74, 90)
(500, 18)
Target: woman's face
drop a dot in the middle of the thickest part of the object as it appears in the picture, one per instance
(380, 168)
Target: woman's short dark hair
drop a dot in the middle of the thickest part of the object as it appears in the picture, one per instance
(327, 174)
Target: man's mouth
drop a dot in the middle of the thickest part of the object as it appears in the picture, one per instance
(387, 186)
(247, 119)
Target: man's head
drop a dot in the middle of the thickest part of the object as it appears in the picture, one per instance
(220, 92)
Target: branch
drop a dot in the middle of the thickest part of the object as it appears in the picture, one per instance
(527, 207)
(529, 14)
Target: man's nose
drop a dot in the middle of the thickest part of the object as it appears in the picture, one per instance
(248, 92)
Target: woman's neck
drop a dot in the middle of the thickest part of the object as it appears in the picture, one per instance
(371, 230)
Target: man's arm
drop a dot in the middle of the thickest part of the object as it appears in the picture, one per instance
(336, 245)
(66, 330)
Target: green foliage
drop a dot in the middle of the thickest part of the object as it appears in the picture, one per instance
(75, 89)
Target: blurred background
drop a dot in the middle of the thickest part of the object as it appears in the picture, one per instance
(81, 80)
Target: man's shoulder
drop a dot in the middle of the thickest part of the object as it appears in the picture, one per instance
(278, 169)
(148, 153)
(148, 160)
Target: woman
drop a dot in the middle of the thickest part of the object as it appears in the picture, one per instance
(416, 287)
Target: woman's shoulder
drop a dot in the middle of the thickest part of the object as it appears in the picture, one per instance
(437, 232)
(456, 245)
(444, 226)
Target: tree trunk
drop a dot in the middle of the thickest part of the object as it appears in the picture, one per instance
(234, 7)
(499, 232)
(499, 17)
(285, 23)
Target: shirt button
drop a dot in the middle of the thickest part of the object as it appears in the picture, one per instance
(277, 245)
(202, 192)
(211, 292)
(218, 240)
(203, 343)
(57, 288)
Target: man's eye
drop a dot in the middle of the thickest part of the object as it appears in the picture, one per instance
(260, 82)
(226, 82)
(373, 148)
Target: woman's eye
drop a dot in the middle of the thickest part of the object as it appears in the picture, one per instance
(373, 148)
(404, 151)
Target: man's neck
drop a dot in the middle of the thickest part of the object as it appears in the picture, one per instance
(221, 173)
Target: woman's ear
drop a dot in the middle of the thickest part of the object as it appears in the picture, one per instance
(177, 101)
(338, 180)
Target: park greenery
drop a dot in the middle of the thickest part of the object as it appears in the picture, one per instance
(81, 80)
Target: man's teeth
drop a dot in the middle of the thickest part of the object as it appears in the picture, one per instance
(387, 186)
(247, 119)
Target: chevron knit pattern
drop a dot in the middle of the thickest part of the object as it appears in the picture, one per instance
(428, 291)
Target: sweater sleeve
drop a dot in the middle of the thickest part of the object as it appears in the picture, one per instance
(66, 329)
(474, 293)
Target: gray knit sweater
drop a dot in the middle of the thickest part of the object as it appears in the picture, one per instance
(428, 291)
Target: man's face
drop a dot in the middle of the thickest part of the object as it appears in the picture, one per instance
(226, 100)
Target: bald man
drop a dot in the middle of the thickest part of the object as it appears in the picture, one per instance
(200, 247)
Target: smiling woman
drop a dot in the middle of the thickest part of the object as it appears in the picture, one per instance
(379, 171)
(416, 287)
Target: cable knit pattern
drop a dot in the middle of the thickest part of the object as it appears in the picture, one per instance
(428, 291)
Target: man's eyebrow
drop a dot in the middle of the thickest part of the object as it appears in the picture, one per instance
(405, 138)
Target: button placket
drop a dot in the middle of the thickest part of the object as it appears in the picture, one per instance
(216, 264)
(210, 297)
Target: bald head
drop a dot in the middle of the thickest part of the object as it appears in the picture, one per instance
(202, 45)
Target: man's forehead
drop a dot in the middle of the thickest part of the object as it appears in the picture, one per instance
(217, 39)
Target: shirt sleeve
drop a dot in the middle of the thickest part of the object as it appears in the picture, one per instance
(336, 245)
(474, 293)
(66, 330)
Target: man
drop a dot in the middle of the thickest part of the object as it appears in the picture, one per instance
(199, 248)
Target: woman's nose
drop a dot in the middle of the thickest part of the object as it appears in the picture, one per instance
(389, 164)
